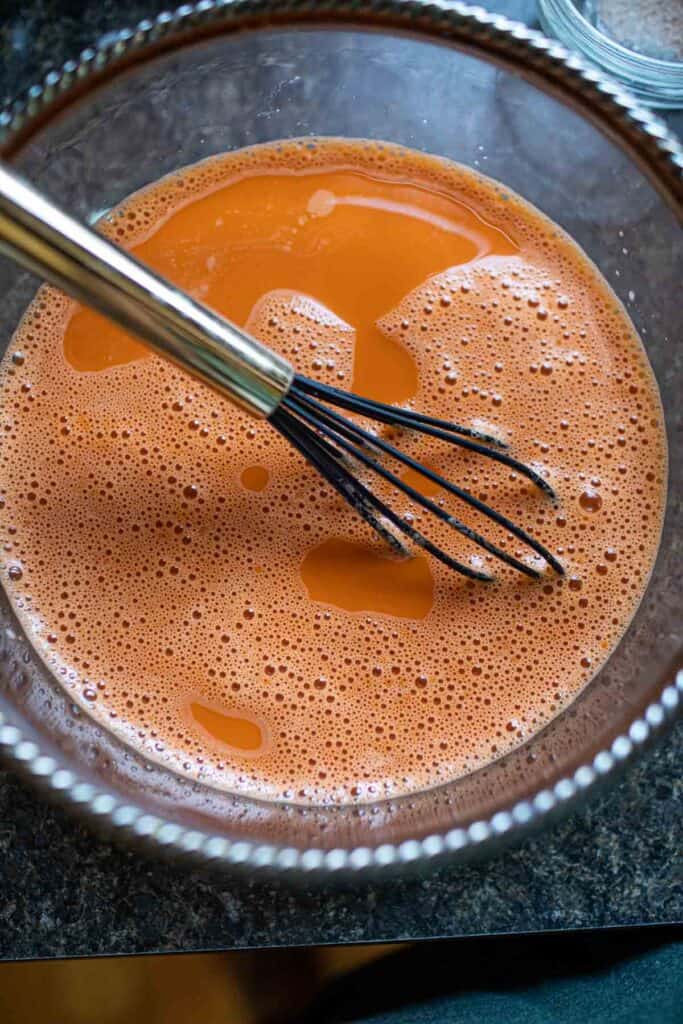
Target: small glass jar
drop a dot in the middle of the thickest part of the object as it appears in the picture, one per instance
(639, 43)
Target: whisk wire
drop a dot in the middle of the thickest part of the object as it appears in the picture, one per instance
(358, 495)
(393, 416)
(337, 427)
(357, 403)
(320, 419)
(326, 459)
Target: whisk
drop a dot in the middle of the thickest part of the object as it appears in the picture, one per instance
(47, 241)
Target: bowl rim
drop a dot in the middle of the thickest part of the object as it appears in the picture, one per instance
(559, 71)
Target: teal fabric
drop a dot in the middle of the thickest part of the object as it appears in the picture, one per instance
(632, 976)
(645, 990)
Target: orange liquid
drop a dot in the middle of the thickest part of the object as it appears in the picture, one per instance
(233, 731)
(201, 591)
(344, 242)
(359, 578)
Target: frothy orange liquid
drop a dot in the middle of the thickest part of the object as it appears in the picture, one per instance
(201, 591)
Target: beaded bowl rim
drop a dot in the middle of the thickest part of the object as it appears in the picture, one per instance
(560, 71)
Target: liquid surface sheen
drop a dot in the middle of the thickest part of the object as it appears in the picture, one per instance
(201, 591)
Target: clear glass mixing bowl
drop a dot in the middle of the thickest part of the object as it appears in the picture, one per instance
(459, 83)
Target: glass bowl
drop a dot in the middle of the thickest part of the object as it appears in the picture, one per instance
(642, 49)
(457, 82)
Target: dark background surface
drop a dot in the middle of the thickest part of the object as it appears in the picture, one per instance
(64, 892)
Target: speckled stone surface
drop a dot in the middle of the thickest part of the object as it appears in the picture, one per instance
(64, 891)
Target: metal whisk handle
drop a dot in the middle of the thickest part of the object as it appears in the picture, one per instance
(50, 243)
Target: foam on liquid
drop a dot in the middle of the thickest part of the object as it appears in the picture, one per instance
(201, 591)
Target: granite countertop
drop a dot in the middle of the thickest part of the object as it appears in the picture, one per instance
(65, 892)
